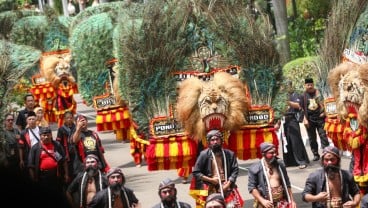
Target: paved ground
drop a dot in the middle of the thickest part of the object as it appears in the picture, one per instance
(145, 183)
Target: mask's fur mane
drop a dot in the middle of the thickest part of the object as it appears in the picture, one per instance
(224, 94)
(349, 85)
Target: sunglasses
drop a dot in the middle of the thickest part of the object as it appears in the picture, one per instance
(9, 119)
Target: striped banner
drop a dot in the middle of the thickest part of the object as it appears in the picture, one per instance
(169, 153)
(335, 128)
(245, 142)
(113, 119)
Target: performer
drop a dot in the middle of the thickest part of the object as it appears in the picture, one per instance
(56, 69)
(331, 186)
(116, 194)
(268, 180)
(87, 183)
(216, 169)
(167, 193)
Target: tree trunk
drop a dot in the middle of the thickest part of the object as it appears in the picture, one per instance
(279, 8)
(40, 5)
(65, 7)
(295, 13)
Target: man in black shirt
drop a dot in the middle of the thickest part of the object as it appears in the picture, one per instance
(314, 117)
(22, 114)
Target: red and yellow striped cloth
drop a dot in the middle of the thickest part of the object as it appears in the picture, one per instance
(113, 119)
(245, 142)
(171, 152)
(43, 91)
(354, 138)
(335, 128)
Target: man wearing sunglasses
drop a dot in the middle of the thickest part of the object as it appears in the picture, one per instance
(10, 144)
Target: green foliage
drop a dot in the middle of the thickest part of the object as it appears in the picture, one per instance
(6, 5)
(305, 36)
(295, 72)
(9, 18)
(30, 31)
(299, 69)
(91, 54)
(316, 8)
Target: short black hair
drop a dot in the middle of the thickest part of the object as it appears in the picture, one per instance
(308, 80)
(28, 95)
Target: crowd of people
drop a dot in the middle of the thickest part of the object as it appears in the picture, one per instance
(73, 164)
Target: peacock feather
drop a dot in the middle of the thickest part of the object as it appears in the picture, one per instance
(91, 54)
(15, 60)
(149, 49)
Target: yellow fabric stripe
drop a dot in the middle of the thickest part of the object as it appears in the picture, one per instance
(267, 135)
(117, 116)
(126, 114)
(186, 148)
(99, 119)
(173, 149)
(159, 150)
(108, 118)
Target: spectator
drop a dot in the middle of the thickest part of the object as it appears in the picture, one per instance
(46, 158)
(88, 142)
(23, 114)
(28, 137)
(314, 117)
(167, 193)
(296, 155)
(63, 136)
(40, 119)
(116, 194)
(10, 143)
(268, 181)
(331, 186)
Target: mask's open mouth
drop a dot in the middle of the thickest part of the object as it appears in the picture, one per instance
(352, 107)
(214, 121)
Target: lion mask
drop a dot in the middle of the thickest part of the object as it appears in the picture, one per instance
(349, 84)
(224, 94)
(56, 68)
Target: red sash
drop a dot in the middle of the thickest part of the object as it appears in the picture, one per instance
(233, 199)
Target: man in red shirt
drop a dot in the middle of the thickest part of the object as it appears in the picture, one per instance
(45, 159)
